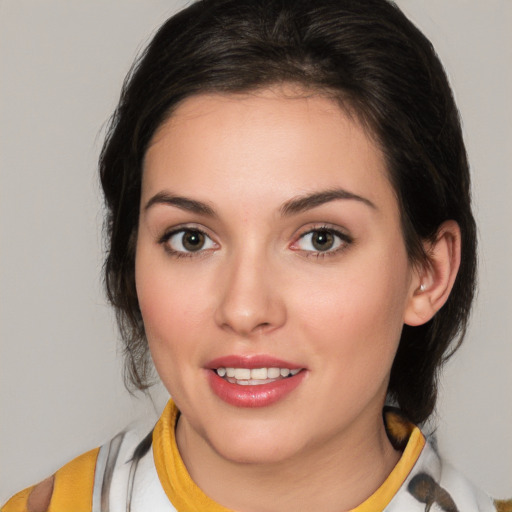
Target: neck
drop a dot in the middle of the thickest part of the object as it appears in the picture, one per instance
(332, 476)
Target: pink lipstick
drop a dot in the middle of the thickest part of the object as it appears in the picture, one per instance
(253, 381)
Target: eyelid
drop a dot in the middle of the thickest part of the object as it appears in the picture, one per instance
(345, 240)
(169, 233)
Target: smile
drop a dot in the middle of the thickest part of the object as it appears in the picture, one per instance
(255, 376)
(258, 389)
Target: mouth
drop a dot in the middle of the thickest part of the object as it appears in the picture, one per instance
(255, 376)
(255, 380)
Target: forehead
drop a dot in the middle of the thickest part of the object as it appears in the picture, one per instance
(277, 141)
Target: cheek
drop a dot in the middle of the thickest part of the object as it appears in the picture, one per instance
(167, 311)
(356, 317)
(170, 330)
(171, 310)
(170, 299)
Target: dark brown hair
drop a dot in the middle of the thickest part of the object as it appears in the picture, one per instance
(374, 61)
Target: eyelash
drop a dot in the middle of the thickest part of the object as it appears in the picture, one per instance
(164, 239)
(344, 241)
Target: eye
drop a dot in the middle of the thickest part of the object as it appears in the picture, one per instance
(322, 240)
(187, 241)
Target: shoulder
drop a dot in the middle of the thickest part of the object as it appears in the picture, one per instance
(467, 493)
(432, 483)
(435, 482)
(70, 485)
(82, 483)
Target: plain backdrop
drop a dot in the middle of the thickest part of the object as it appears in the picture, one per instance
(62, 63)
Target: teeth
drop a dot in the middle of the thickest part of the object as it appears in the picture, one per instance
(259, 373)
(242, 373)
(246, 376)
(273, 373)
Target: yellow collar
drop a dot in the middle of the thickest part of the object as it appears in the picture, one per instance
(186, 496)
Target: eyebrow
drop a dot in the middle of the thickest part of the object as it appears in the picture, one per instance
(291, 207)
(184, 203)
(309, 201)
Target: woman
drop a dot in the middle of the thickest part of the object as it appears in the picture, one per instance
(288, 201)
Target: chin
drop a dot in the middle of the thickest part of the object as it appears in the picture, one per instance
(256, 443)
(256, 453)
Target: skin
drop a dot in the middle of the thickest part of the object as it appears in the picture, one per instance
(259, 286)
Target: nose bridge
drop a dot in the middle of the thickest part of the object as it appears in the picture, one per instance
(250, 301)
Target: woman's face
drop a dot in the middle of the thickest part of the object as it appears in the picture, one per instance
(271, 273)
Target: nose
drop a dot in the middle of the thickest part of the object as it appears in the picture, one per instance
(251, 301)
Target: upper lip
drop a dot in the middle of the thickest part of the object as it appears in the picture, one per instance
(251, 361)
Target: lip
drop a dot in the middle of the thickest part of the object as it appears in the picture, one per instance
(262, 395)
(251, 362)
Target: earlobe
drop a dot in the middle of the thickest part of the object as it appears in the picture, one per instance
(433, 281)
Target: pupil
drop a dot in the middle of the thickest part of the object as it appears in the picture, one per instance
(323, 240)
(193, 240)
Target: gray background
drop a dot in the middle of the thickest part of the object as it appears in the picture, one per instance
(61, 66)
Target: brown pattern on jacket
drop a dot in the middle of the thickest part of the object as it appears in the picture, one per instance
(425, 489)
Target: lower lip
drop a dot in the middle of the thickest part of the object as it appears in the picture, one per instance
(261, 395)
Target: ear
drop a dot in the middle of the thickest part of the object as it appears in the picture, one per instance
(433, 280)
